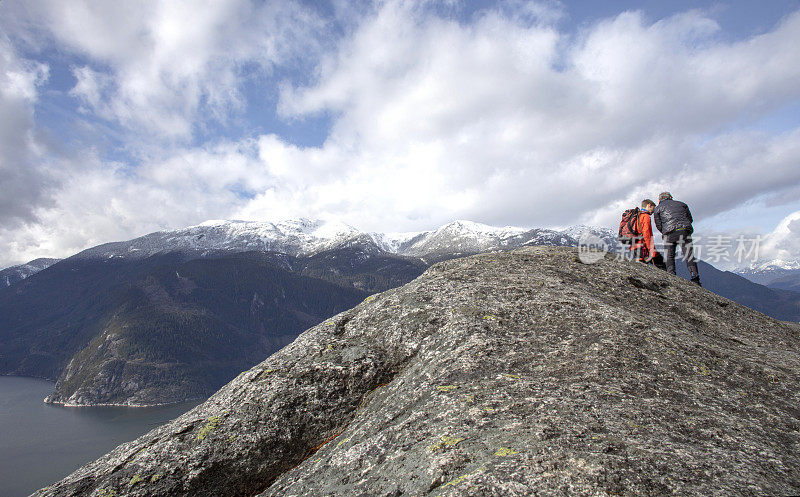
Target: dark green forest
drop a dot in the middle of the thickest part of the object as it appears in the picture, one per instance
(174, 324)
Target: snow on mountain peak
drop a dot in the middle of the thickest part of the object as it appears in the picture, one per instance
(210, 223)
(391, 242)
(776, 264)
(332, 229)
(303, 237)
(472, 228)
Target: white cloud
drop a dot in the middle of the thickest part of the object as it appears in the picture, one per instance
(159, 66)
(99, 201)
(90, 88)
(24, 181)
(782, 245)
(508, 122)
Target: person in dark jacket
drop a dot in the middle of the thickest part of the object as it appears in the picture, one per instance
(674, 220)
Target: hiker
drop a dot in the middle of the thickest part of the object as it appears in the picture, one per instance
(644, 249)
(674, 221)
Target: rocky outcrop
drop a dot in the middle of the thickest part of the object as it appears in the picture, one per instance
(517, 373)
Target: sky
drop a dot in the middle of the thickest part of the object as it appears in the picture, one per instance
(122, 118)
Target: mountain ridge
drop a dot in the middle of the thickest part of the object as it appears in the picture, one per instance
(305, 237)
(13, 274)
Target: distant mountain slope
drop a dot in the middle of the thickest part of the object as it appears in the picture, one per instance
(788, 282)
(294, 237)
(165, 329)
(767, 274)
(513, 374)
(776, 302)
(360, 268)
(13, 274)
(460, 238)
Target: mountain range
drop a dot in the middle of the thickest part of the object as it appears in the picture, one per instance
(304, 237)
(766, 274)
(173, 315)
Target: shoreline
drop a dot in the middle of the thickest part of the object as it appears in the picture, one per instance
(28, 376)
(102, 404)
(113, 404)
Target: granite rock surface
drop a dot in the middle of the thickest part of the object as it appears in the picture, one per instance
(519, 373)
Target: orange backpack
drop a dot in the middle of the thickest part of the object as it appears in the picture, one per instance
(628, 227)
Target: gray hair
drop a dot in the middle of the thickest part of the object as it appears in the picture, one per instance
(664, 196)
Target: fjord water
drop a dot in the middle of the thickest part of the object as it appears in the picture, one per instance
(41, 443)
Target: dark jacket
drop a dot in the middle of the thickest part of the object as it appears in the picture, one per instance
(671, 215)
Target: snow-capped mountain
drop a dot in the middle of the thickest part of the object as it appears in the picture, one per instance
(777, 253)
(11, 275)
(766, 271)
(293, 237)
(304, 237)
(459, 237)
(765, 274)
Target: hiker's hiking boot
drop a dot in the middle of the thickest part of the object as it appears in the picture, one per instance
(696, 281)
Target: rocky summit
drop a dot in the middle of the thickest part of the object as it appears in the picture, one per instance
(520, 373)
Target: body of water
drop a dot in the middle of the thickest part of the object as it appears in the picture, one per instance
(41, 443)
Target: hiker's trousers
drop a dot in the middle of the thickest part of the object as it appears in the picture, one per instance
(682, 237)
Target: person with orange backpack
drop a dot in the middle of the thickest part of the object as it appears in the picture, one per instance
(636, 230)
